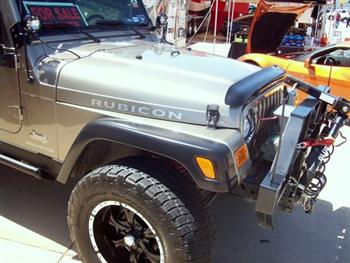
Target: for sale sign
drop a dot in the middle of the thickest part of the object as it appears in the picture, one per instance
(56, 14)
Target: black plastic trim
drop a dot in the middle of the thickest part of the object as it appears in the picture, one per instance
(174, 145)
(49, 167)
(242, 91)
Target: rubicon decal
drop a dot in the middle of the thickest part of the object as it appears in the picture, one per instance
(136, 109)
(132, 107)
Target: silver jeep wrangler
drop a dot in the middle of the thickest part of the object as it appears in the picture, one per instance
(151, 133)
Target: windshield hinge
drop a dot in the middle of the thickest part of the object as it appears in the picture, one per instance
(17, 63)
(17, 34)
(213, 116)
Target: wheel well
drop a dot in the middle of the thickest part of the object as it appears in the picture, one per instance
(102, 152)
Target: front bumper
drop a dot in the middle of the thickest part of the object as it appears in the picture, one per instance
(302, 122)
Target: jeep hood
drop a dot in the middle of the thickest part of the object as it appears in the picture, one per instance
(151, 80)
(271, 23)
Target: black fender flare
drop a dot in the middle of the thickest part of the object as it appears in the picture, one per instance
(174, 145)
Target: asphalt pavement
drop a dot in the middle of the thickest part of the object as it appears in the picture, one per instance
(33, 223)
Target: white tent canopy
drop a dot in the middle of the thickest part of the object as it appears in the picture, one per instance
(306, 17)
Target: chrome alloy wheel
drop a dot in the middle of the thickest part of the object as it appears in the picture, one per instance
(119, 233)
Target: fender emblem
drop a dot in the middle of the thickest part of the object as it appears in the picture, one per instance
(38, 137)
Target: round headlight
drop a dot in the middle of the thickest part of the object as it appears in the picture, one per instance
(246, 127)
(249, 125)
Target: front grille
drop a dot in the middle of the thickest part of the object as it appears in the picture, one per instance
(266, 123)
(268, 104)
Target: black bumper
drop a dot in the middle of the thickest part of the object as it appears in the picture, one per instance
(299, 127)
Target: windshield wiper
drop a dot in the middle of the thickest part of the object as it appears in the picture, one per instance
(90, 36)
(65, 27)
(118, 23)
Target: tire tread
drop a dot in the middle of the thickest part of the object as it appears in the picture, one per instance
(191, 222)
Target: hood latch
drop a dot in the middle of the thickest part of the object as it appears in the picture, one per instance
(213, 116)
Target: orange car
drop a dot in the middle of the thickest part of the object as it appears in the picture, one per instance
(327, 66)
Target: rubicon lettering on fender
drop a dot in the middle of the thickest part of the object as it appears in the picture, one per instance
(136, 109)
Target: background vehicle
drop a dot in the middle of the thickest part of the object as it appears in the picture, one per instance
(328, 66)
(343, 13)
(151, 134)
(265, 35)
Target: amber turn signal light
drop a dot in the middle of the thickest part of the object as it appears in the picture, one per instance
(241, 155)
(207, 167)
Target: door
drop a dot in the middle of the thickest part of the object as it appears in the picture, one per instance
(340, 74)
(315, 74)
(10, 117)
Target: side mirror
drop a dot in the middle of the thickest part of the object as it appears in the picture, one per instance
(307, 63)
(32, 24)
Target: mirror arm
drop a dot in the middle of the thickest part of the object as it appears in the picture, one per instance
(21, 39)
(308, 62)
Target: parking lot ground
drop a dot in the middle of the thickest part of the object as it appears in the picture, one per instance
(33, 223)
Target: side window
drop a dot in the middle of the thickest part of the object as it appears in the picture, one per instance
(339, 57)
(320, 59)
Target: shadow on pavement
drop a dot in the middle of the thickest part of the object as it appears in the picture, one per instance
(40, 206)
(322, 237)
(297, 237)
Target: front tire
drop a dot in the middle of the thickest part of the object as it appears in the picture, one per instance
(120, 213)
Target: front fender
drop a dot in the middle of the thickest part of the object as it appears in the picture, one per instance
(174, 145)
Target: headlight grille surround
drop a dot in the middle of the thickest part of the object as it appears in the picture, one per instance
(269, 103)
(266, 123)
(263, 107)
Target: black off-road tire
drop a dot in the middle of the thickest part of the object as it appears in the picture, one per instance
(168, 199)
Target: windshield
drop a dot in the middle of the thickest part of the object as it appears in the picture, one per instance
(87, 13)
(311, 54)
